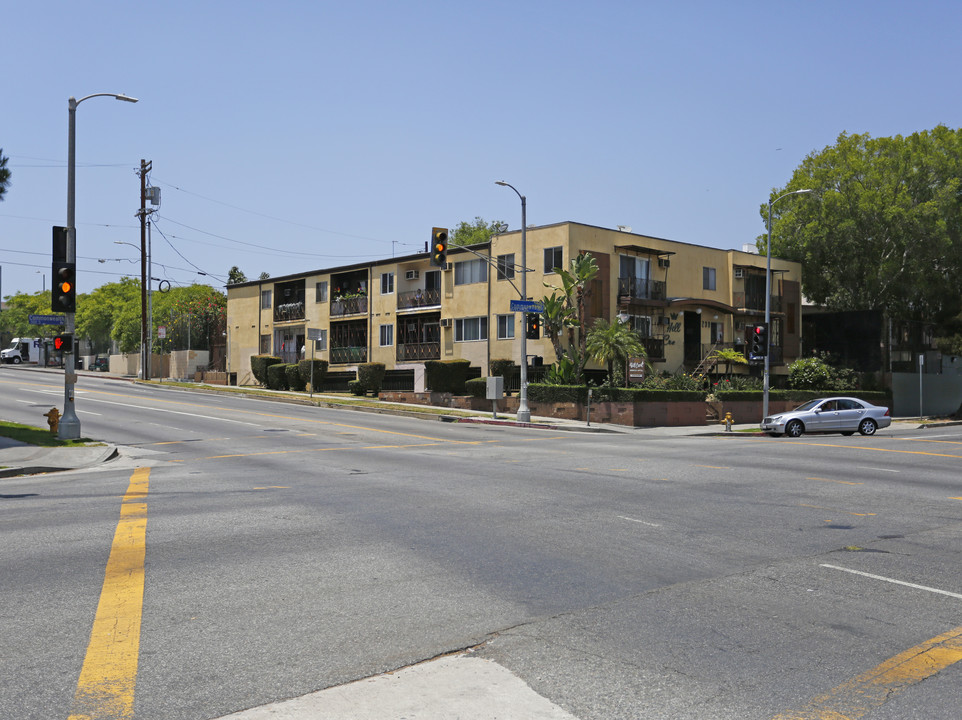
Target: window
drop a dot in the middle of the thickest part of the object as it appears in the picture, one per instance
(506, 267)
(708, 278)
(641, 324)
(265, 299)
(470, 271)
(387, 334)
(265, 344)
(717, 331)
(553, 257)
(320, 292)
(387, 283)
(505, 327)
(470, 329)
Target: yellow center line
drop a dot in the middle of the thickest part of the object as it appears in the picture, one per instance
(846, 512)
(840, 482)
(860, 695)
(105, 689)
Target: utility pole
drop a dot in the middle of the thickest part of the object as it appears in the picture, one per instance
(144, 337)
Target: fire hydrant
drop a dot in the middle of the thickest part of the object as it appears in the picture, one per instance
(728, 422)
(53, 419)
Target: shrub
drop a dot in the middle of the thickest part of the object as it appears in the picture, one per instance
(356, 387)
(277, 376)
(294, 381)
(678, 381)
(371, 376)
(259, 365)
(447, 375)
(477, 387)
(320, 371)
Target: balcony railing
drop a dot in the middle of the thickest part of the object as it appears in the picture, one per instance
(418, 298)
(641, 288)
(286, 312)
(348, 354)
(349, 306)
(419, 351)
(754, 301)
(654, 347)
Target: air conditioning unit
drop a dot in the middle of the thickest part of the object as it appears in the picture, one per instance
(739, 273)
(664, 262)
(412, 274)
(448, 266)
(663, 320)
(445, 322)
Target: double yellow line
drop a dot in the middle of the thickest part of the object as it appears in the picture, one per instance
(106, 686)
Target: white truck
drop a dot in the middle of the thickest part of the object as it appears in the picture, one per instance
(22, 350)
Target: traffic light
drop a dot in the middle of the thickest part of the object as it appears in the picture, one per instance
(758, 346)
(532, 326)
(63, 292)
(63, 343)
(439, 246)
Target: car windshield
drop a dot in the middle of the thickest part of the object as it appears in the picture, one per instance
(807, 406)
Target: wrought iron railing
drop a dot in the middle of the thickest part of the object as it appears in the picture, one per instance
(418, 298)
(349, 306)
(419, 351)
(348, 354)
(287, 312)
(641, 288)
(755, 301)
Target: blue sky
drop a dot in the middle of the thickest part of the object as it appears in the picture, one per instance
(290, 136)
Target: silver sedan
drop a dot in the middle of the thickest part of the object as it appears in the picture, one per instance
(838, 414)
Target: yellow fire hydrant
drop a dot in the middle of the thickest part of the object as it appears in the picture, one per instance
(53, 419)
(728, 422)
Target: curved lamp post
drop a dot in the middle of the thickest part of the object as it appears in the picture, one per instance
(768, 298)
(524, 414)
(70, 423)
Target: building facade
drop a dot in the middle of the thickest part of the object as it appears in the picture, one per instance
(683, 300)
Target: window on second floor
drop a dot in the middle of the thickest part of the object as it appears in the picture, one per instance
(708, 278)
(265, 299)
(387, 283)
(387, 335)
(320, 292)
(470, 271)
(506, 267)
(505, 327)
(553, 257)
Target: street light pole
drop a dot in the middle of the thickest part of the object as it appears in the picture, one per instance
(69, 423)
(768, 299)
(524, 414)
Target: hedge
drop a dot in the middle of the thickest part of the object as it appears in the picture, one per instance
(476, 387)
(801, 396)
(294, 381)
(371, 376)
(277, 376)
(259, 365)
(320, 372)
(446, 375)
(539, 392)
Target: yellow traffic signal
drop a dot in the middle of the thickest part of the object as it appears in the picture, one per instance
(439, 246)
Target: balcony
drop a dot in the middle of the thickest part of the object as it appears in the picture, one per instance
(654, 347)
(755, 301)
(350, 305)
(289, 312)
(418, 352)
(641, 288)
(348, 355)
(418, 298)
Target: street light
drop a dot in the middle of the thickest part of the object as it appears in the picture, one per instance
(524, 414)
(70, 423)
(768, 297)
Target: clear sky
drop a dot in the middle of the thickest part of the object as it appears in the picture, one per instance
(290, 136)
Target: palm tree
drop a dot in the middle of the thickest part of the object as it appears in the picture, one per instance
(729, 356)
(4, 174)
(577, 285)
(611, 342)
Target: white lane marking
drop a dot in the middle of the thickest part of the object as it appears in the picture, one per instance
(172, 412)
(894, 581)
(876, 469)
(635, 520)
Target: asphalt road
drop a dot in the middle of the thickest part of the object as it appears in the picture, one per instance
(288, 549)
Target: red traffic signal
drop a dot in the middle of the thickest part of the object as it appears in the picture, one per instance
(63, 343)
(758, 343)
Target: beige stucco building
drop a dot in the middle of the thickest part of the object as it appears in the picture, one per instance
(682, 299)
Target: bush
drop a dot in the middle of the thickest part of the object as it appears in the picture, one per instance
(371, 376)
(678, 381)
(259, 365)
(294, 381)
(356, 387)
(477, 387)
(320, 372)
(447, 375)
(277, 376)
(579, 394)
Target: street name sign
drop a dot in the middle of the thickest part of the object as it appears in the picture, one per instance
(47, 319)
(530, 306)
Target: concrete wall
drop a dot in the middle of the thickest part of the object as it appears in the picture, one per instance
(941, 394)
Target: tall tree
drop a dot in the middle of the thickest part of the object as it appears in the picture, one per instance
(614, 342)
(235, 275)
(569, 309)
(882, 229)
(477, 232)
(4, 175)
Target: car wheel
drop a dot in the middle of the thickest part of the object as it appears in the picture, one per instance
(16, 361)
(848, 432)
(867, 426)
(794, 428)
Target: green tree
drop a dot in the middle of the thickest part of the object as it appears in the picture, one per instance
(15, 319)
(730, 357)
(4, 175)
(100, 310)
(883, 228)
(577, 285)
(235, 276)
(614, 342)
(477, 232)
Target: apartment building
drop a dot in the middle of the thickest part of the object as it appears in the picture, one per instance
(682, 299)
